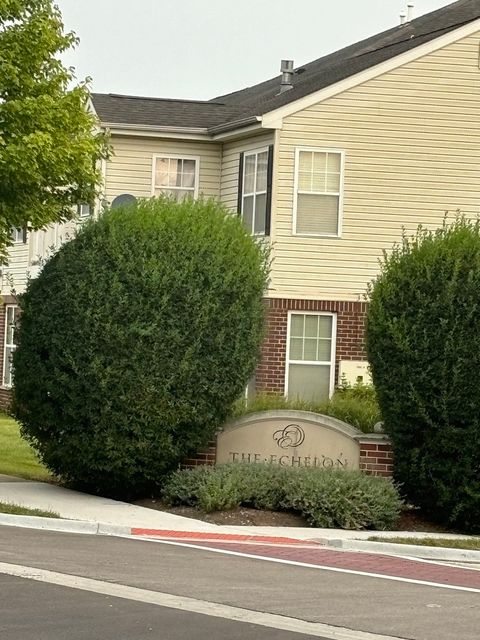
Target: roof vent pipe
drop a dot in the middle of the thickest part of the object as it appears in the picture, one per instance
(403, 17)
(410, 7)
(286, 68)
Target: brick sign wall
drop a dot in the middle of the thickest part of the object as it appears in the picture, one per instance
(273, 437)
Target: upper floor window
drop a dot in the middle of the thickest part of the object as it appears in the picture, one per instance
(175, 176)
(84, 210)
(318, 192)
(11, 317)
(17, 234)
(254, 190)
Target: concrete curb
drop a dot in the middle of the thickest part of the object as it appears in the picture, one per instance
(411, 550)
(64, 526)
(106, 529)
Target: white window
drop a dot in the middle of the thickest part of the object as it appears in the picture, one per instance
(254, 191)
(17, 235)
(310, 366)
(175, 176)
(318, 192)
(11, 317)
(83, 210)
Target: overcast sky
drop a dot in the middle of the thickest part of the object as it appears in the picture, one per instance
(199, 49)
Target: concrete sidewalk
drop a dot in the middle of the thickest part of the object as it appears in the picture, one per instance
(74, 505)
(93, 514)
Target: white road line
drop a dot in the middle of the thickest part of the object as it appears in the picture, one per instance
(308, 565)
(192, 605)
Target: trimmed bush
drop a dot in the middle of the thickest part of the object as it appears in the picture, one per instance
(136, 339)
(423, 344)
(325, 497)
(356, 405)
(333, 498)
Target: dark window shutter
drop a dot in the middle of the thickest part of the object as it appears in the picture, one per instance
(240, 184)
(269, 190)
(24, 238)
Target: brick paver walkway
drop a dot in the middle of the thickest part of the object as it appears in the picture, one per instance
(311, 553)
(362, 562)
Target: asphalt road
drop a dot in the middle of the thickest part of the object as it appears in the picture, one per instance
(35, 611)
(117, 588)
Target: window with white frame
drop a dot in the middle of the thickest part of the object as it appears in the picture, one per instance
(11, 317)
(176, 177)
(254, 191)
(318, 197)
(83, 210)
(310, 363)
(17, 234)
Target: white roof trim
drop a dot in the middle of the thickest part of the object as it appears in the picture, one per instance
(274, 118)
(241, 132)
(185, 133)
(145, 131)
(150, 127)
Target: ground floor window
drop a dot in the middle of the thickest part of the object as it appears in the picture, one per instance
(310, 365)
(11, 317)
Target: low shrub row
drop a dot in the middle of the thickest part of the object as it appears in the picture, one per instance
(329, 498)
(355, 405)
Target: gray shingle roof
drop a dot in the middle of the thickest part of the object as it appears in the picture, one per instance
(133, 110)
(355, 58)
(229, 110)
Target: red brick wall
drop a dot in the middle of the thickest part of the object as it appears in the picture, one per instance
(270, 375)
(204, 457)
(376, 457)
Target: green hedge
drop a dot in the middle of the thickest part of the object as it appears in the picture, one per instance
(136, 339)
(355, 405)
(423, 344)
(327, 498)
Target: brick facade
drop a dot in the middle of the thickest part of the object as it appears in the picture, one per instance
(270, 375)
(376, 456)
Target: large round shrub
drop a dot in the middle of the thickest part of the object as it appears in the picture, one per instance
(423, 344)
(136, 339)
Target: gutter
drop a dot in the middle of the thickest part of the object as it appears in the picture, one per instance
(237, 124)
(218, 133)
(147, 129)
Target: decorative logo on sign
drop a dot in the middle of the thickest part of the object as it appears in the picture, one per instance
(292, 436)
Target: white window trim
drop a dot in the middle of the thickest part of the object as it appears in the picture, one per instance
(169, 156)
(16, 240)
(341, 152)
(254, 152)
(331, 362)
(5, 345)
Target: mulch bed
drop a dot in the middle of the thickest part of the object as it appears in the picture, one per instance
(410, 520)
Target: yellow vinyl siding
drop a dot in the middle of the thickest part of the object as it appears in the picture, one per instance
(14, 273)
(129, 170)
(411, 141)
(230, 165)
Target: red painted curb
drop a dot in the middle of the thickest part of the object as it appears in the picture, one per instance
(219, 537)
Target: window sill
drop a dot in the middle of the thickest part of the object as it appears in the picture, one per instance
(316, 235)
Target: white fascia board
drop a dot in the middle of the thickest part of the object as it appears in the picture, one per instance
(236, 134)
(156, 132)
(274, 119)
(91, 107)
(180, 133)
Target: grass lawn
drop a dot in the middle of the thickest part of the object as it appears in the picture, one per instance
(16, 510)
(472, 544)
(16, 456)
